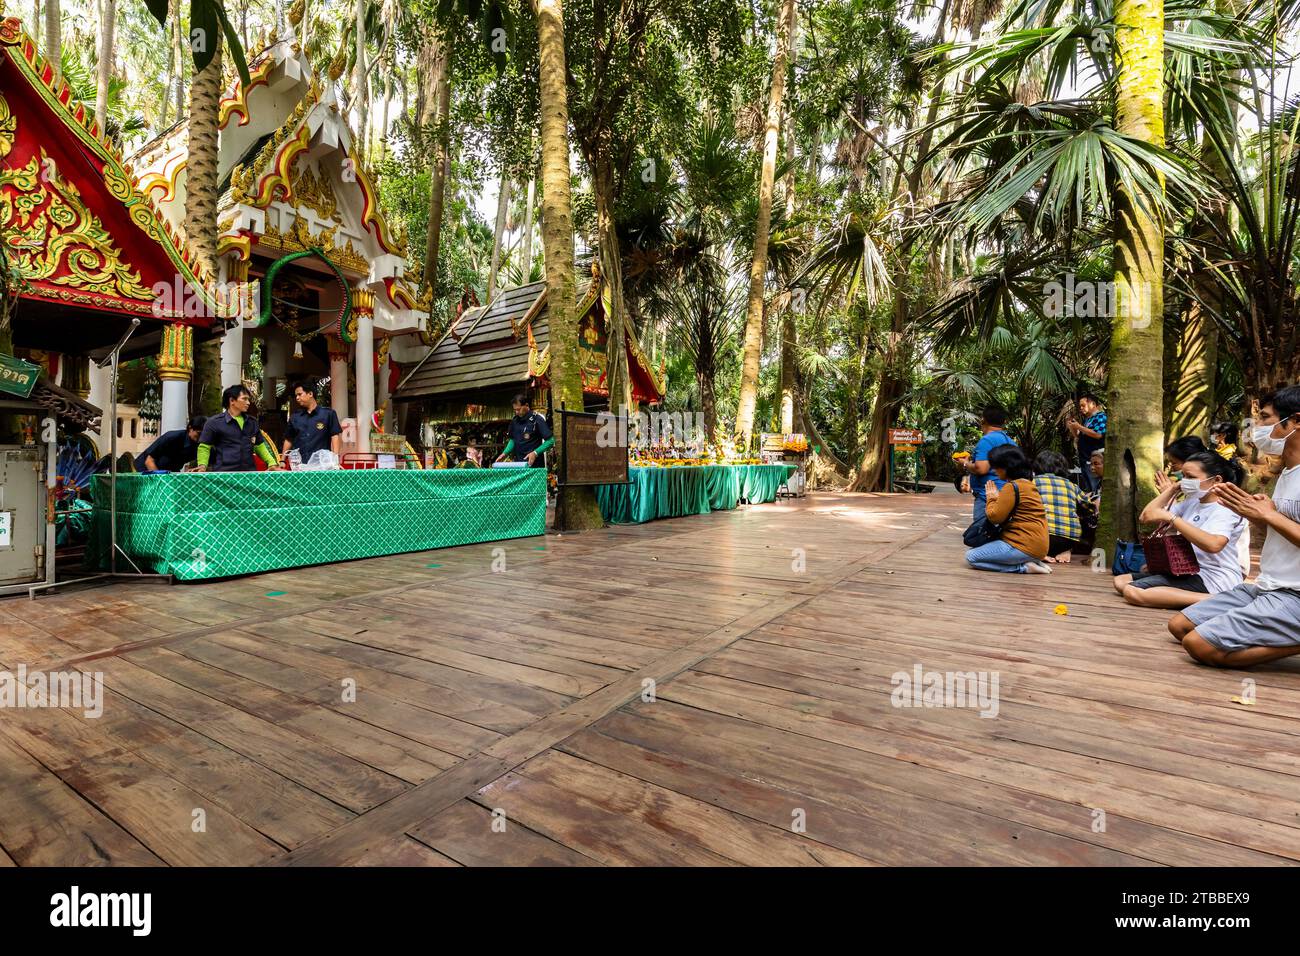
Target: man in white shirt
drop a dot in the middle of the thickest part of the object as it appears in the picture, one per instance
(1260, 622)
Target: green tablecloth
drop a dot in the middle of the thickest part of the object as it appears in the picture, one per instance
(674, 491)
(218, 524)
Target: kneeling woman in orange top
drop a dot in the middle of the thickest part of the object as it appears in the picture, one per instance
(1018, 509)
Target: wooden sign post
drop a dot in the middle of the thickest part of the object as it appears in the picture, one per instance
(903, 439)
(593, 451)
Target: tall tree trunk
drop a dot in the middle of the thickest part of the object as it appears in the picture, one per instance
(706, 369)
(577, 509)
(360, 86)
(1194, 401)
(383, 113)
(789, 325)
(873, 466)
(171, 77)
(435, 60)
(201, 211)
(178, 52)
(788, 358)
(1135, 437)
(528, 228)
(611, 274)
(104, 70)
(503, 209)
(753, 347)
(54, 37)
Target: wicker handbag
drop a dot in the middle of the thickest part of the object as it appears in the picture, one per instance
(1169, 553)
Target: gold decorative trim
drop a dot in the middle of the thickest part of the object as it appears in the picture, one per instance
(176, 353)
(241, 245)
(55, 92)
(300, 238)
(167, 183)
(8, 128)
(53, 237)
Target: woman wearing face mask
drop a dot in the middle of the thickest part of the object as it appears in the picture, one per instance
(1260, 622)
(1213, 531)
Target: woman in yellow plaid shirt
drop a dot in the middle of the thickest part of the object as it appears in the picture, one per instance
(1061, 502)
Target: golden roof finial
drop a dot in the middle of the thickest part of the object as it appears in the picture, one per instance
(339, 62)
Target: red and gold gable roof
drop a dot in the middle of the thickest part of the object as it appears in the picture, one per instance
(593, 347)
(72, 218)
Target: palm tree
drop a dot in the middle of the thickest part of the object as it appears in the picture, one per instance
(210, 32)
(786, 27)
(107, 26)
(435, 71)
(1135, 439)
(53, 37)
(577, 509)
(1024, 163)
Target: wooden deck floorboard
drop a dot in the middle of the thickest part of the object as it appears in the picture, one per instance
(713, 690)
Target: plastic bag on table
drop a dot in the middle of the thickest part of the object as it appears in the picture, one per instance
(323, 460)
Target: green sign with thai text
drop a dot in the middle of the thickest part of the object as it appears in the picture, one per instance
(17, 377)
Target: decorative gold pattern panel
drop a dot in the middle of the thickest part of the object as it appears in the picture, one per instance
(52, 237)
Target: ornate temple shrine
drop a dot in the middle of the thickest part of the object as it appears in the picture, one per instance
(299, 215)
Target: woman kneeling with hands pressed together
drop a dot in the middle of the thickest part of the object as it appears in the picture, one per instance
(1213, 531)
(1017, 508)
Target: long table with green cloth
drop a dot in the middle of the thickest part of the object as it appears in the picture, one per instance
(671, 491)
(212, 525)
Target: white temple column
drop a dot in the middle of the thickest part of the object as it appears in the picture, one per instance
(175, 368)
(338, 376)
(363, 307)
(175, 404)
(232, 356)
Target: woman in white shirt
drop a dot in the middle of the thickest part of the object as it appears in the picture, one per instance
(1213, 531)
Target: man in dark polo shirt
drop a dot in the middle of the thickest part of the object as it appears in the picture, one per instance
(312, 427)
(173, 450)
(229, 440)
(530, 435)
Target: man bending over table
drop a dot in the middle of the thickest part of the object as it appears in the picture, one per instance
(230, 440)
(173, 450)
(530, 435)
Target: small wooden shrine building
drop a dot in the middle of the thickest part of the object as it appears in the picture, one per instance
(463, 388)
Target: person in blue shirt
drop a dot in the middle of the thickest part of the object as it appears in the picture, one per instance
(313, 427)
(530, 435)
(993, 421)
(173, 450)
(1090, 434)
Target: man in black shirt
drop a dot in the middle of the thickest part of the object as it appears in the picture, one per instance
(173, 450)
(530, 435)
(231, 439)
(312, 427)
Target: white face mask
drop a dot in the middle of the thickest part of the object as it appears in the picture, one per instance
(1191, 487)
(1262, 436)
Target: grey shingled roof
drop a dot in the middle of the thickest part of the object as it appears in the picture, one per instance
(486, 354)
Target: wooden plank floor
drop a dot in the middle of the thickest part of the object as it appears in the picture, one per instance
(713, 690)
